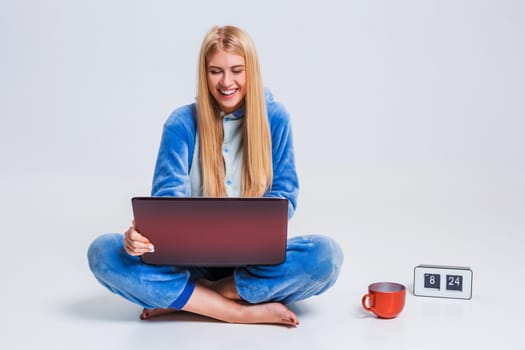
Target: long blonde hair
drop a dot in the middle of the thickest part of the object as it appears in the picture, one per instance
(257, 149)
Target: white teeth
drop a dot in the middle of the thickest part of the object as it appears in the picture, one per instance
(228, 92)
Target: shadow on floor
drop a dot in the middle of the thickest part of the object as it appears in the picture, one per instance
(101, 308)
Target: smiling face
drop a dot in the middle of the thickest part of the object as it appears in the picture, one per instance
(226, 75)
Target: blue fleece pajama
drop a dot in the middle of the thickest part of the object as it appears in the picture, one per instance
(312, 262)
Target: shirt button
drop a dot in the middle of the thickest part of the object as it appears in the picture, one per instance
(229, 182)
(226, 149)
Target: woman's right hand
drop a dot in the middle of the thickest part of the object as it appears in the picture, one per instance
(136, 244)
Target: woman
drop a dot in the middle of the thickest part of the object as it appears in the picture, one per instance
(234, 141)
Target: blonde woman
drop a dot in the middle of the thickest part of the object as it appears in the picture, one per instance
(234, 141)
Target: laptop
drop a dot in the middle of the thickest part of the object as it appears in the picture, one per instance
(208, 231)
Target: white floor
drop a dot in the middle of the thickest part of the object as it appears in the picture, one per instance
(386, 223)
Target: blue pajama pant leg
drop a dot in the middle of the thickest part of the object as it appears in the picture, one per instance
(146, 285)
(312, 266)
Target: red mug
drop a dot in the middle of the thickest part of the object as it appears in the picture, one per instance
(385, 299)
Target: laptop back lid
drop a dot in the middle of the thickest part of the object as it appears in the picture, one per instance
(205, 231)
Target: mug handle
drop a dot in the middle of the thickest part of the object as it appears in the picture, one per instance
(366, 300)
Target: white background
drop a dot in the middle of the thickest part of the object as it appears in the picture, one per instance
(408, 120)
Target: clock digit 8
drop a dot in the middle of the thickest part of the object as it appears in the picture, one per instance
(443, 281)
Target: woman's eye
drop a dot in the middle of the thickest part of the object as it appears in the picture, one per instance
(215, 72)
(237, 71)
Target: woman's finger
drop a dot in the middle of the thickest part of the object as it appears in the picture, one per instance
(136, 244)
(137, 248)
(135, 236)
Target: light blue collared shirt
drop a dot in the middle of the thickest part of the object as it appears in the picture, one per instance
(232, 154)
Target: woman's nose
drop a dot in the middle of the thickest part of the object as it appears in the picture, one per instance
(226, 79)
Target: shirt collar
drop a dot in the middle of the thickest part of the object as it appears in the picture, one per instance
(236, 114)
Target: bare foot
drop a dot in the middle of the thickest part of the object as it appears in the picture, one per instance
(207, 302)
(273, 313)
(149, 313)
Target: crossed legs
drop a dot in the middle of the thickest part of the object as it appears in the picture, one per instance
(311, 266)
(220, 300)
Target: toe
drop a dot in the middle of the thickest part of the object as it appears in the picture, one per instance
(144, 315)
